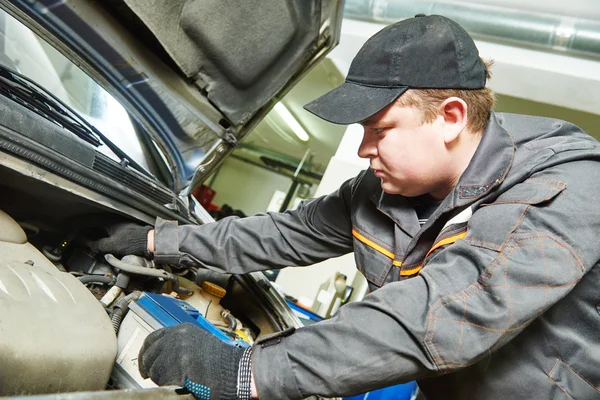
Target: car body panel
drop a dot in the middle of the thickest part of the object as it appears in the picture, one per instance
(197, 114)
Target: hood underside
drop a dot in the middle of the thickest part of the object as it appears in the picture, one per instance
(239, 53)
(199, 73)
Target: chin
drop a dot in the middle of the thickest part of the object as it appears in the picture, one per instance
(390, 189)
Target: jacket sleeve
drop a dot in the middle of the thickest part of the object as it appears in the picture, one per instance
(317, 230)
(521, 255)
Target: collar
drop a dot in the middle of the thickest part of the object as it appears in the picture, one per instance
(488, 167)
(486, 170)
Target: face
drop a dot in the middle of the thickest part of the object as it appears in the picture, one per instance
(409, 157)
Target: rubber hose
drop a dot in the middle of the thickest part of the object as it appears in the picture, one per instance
(120, 309)
(97, 279)
(230, 318)
(47, 251)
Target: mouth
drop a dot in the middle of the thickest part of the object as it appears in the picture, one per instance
(378, 173)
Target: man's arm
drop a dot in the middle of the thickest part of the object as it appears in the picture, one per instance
(317, 230)
(469, 300)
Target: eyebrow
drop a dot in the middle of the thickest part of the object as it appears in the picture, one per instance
(373, 121)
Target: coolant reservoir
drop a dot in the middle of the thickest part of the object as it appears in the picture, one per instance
(206, 298)
(56, 337)
(213, 293)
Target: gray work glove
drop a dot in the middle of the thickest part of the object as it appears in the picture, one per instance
(188, 356)
(126, 238)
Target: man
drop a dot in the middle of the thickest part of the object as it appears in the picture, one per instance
(492, 295)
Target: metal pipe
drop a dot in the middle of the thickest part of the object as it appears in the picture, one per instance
(306, 154)
(279, 171)
(292, 190)
(547, 31)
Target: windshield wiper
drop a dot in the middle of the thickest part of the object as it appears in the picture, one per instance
(36, 98)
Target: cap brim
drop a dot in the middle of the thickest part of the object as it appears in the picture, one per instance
(350, 103)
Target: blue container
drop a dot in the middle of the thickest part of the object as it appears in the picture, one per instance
(306, 317)
(405, 391)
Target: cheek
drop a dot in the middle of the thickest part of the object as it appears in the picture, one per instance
(420, 170)
(410, 161)
(406, 168)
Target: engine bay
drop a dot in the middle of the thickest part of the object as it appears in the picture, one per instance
(73, 321)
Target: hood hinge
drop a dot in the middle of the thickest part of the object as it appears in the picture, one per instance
(230, 138)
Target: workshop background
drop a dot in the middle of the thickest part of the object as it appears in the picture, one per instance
(547, 62)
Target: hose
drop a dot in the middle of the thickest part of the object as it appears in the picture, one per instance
(107, 280)
(158, 273)
(47, 251)
(230, 318)
(120, 309)
(135, 269)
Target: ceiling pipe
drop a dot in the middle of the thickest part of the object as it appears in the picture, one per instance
(565, 34)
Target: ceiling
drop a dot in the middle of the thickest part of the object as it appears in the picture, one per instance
(575, 8)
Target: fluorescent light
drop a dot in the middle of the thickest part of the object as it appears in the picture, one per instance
(291, 121)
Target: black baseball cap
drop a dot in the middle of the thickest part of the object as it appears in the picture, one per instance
(425, 52)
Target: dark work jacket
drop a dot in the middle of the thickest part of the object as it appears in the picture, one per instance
(495, 297)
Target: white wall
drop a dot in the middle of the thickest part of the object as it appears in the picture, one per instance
(247, 187)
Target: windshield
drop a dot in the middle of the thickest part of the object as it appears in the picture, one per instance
(23, 51)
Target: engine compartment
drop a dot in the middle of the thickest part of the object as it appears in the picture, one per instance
(51, 325)
(72, 321)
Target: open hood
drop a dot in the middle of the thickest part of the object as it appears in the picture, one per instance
(197, 75)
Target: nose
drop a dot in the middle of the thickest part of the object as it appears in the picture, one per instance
(368, 146)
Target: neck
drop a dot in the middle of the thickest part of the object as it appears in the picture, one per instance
(460, 152)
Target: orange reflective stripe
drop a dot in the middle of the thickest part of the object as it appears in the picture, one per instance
(411, 271)
(375, 246)
(443, 242)
(396, 263)
(448, 240)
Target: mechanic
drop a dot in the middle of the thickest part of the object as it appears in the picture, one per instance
(493, 295)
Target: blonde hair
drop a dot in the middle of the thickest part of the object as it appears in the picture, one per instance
(480, 102)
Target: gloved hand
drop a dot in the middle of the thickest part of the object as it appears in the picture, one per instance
(123, 239)
(188, 356)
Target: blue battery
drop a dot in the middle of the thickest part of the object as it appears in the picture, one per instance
(169, 311)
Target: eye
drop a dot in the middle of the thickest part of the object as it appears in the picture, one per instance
(378, 131)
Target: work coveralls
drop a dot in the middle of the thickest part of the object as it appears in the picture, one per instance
(495, 297)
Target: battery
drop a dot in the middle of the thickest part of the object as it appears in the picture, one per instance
(147, 314)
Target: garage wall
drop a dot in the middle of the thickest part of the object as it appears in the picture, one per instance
(247, 187)
(586, 121)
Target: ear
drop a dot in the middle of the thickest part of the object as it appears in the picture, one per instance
(454, 112)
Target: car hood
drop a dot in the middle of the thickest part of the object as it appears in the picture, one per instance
(198, 75)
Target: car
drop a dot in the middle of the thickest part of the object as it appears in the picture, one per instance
(115, 111)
